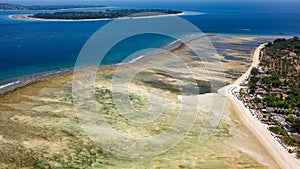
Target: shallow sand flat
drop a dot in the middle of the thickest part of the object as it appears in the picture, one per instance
(43, 114)
(246, 142)
(214, 153)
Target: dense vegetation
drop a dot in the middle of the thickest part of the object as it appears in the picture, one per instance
(6, 6)
(281, 60)
(276, 86)
(107, 14)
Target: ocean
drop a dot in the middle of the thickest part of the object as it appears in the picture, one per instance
(38, 47)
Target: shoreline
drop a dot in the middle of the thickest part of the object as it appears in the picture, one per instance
(283, 158)
(25, 80)
(29, 79)
(28, 18)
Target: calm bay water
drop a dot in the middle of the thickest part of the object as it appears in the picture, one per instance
(29, 47)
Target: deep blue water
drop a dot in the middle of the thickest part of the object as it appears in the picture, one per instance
(28, 47)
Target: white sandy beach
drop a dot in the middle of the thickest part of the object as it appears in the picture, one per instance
(279, 153)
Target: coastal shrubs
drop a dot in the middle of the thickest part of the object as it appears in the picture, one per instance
(296, 126)
(277, 130)
(254, 71)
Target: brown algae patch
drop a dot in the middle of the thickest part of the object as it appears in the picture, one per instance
(238, 40)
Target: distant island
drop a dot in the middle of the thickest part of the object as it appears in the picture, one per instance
(97, 15)
(7, 6)
(107, 14)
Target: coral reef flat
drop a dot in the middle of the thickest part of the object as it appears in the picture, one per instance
(39, 127)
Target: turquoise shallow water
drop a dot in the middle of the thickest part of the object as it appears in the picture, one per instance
(29, 47)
